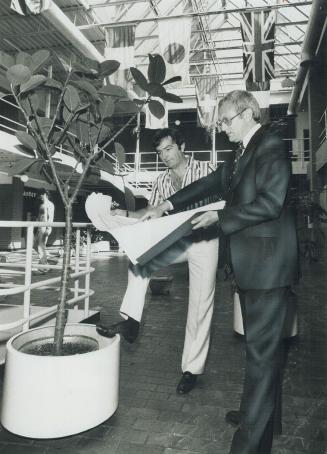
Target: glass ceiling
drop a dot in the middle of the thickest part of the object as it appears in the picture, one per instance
(216, 45)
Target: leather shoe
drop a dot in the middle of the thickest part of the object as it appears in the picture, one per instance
(129, 329)
(186, 383)
(233, 418)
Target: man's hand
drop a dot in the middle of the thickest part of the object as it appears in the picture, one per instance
(155, 212)
(118, 212)
(205, 220)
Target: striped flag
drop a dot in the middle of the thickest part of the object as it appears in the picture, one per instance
(206, 97)
(120, 46)
(25, 7)
(258, 36)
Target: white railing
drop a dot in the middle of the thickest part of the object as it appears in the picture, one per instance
(151, 162)
(323, 126)
(80, 269)
(299, 150)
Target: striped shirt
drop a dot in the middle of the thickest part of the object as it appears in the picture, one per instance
(163, 186)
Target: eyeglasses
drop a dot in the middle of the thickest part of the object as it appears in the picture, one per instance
(228, 121)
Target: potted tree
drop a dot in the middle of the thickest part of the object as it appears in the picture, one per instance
(63, 379)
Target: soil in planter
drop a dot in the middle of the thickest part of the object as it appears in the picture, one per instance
(73, 345)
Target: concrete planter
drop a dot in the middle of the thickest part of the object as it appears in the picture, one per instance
(57, 396)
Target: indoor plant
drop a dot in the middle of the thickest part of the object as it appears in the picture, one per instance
(78, 118)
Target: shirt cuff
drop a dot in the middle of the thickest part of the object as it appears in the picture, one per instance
(171, 207)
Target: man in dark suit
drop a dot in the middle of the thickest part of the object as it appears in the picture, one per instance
(262, 252)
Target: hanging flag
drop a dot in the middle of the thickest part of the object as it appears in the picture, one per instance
(151, 121)
(261, 92)
(120, 46)
(174, 41)
(25, 7)
(206, 97)
(258, 35)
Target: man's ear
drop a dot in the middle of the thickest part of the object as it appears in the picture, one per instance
(183, 147)
(248, 114)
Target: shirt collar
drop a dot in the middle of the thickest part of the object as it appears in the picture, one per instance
(250, 134)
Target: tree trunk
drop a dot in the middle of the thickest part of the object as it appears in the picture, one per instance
(61, 311)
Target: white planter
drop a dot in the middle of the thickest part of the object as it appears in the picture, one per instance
(57, 396)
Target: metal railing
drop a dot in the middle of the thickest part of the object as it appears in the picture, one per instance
(299, 150)
(150, 161)
(79, 269)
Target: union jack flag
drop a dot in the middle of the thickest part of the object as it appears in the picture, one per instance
(258, 35)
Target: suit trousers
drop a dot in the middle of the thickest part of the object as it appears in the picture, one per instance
(264, 315)
(202, 258)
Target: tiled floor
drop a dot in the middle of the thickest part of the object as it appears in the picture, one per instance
(153, 419)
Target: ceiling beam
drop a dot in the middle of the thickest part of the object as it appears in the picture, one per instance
(194, 51)
(197, 14)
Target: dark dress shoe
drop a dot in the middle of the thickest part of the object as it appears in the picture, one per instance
(186, 383)
(233, 418)
(129, 329)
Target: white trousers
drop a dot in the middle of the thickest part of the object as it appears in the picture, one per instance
(202, 258)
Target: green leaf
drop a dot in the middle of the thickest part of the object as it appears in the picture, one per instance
(82, 131)
(125, 107)
(87, 87)
(21, 166)
(71, 98)
(34, 82)
(87, 69)
(139, 78)
(104, 134)
(155, 89)
(106, 165)
(85, 117)
(22, 58)
(156, 69)
(65, 66)
(120, 154)
(107, 107)
(18, 74)
(108, 67)
(44, 124)
(32, 99)
(156, 108)
(172, 80)
(66, 114)
(39, 59)
(52, 83)
(113, 90)
(26, 139)
(170, 97)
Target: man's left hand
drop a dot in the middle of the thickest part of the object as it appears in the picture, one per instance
(205, 220)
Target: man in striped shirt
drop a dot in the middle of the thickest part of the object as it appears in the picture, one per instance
(200, 250)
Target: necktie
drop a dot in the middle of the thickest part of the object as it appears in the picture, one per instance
(238, 154)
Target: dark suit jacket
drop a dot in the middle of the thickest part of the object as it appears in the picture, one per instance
(260, 226)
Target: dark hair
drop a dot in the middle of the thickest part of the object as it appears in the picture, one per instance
(175, 135)
(46, 192)
(242, 100)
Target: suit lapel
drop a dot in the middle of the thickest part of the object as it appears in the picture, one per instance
(246, 157)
